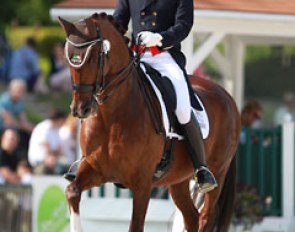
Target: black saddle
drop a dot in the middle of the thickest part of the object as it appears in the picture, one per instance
(168, 94)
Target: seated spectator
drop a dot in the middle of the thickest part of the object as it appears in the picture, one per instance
(50, 165)
(9, 157)
(45, 139)
(251, 116)
(68, 136)
(24, 172)
(25, 64)
(60, 76)
(12, 112)
(287, 111)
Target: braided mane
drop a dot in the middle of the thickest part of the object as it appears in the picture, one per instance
(111, 19)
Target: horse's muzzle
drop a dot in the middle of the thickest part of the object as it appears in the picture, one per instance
(84, 109)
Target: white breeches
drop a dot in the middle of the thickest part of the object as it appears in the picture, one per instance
(167, 66)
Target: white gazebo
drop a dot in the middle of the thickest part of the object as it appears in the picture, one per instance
(234, 23)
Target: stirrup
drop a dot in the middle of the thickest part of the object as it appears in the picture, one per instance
(70, 175)
(205, 180)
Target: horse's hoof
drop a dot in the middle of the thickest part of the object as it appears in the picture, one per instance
(70, 176)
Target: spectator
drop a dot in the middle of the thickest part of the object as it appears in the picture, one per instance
(5, 58)
(12, 112)
(250, 118)
(24, 172)
(25, 64)
(60, 76)
(68, 135)
(252, 114)
(9, 156)
(49, 166)
(287, 111)
(45, 139)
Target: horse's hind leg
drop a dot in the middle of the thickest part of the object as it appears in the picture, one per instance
(209, 211)
(181, 196)
(219, 203)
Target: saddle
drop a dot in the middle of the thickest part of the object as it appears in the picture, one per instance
(155, 86)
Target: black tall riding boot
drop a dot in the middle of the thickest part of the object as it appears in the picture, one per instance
(203, 176)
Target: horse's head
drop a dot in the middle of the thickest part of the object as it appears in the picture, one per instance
(89, 47)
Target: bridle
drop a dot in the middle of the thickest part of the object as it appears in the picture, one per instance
(101, 90)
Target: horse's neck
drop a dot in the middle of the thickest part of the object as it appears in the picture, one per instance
(126, 101)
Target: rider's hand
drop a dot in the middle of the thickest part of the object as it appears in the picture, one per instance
(150, 39)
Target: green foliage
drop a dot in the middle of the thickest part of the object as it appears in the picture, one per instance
(269, 78)
(7, 12)
(37, 109)
(46, 44)
(45, 36)
(26, 12)
(33, 116)
(248, 207)
(56, 100)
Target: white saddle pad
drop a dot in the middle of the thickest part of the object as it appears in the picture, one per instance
(201, 116)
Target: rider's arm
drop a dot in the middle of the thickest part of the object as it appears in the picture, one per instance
(184, 19)
(122, 13)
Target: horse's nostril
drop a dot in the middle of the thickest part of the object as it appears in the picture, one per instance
(74, 113)
(86, 110)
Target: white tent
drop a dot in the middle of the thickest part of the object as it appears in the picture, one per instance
(234, 23)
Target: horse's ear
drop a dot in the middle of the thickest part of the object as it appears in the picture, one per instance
(68, 27)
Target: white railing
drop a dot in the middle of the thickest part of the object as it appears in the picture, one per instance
(285, 223)
(98, 210)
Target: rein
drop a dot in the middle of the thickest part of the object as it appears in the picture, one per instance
(100, 90)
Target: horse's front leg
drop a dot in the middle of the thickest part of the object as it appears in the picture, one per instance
(73, 195)
(86, 178)
(141, 197)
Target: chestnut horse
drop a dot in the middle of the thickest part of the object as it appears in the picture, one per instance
(118, 139)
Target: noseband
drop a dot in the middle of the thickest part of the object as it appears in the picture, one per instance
(100, 87)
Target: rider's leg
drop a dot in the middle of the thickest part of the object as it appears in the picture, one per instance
(193, 136)
(166, 65)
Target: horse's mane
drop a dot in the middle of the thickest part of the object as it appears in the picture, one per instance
(112, 20)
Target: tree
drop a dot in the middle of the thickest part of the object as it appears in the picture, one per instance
(7, 12)
(26, 12)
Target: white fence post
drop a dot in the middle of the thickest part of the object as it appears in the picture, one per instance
(285, 223)
(288, 173)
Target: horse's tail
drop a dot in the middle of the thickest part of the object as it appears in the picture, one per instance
(226, 199)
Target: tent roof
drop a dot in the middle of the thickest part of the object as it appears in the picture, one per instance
(255, 6)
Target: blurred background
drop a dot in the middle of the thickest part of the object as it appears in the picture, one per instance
(35, 94)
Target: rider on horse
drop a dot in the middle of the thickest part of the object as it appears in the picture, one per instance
(162, 26)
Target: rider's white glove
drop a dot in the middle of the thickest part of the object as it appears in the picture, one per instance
(150, 39)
